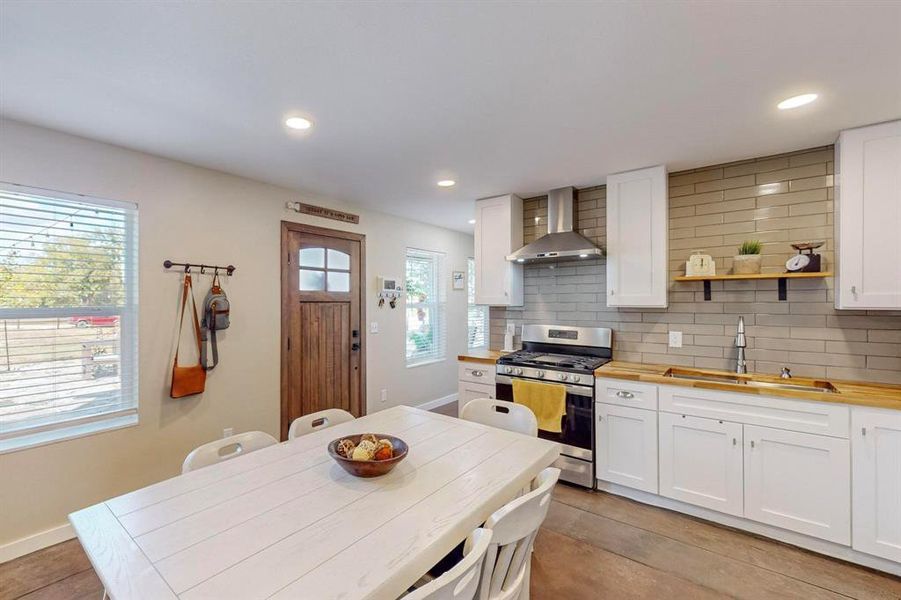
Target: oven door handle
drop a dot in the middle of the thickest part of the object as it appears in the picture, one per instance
(576, 390)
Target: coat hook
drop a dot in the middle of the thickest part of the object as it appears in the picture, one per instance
(203, 269)
(187, 268)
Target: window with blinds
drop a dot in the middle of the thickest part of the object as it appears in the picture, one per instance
(68, 315)
(477, 314)
(426, 307)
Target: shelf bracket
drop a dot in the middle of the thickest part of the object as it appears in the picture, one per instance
(783, 289)
(707, 290)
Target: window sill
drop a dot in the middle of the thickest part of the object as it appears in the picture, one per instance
(70, 432)
(426, 362)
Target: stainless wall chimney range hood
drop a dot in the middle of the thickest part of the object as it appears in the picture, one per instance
(560, 242)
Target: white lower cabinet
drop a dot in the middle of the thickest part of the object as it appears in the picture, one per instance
(467, 391)
(701, 462)
(626, 446)
(876, 451)
(798, 481)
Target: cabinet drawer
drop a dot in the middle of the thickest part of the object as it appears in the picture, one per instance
(626, 393)
(806, 416)
(477, 373)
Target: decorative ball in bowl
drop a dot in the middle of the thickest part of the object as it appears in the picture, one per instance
(368, 454)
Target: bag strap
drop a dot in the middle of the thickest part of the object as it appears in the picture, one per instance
(181, 319)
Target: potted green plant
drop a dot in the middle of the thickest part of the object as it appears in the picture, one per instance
(748, 260)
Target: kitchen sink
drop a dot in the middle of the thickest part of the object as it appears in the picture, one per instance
(806, 385)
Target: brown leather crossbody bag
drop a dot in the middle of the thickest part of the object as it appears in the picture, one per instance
(187, 381)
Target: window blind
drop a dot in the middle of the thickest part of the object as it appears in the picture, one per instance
(68, 313)
(477, 314)
(426, 307)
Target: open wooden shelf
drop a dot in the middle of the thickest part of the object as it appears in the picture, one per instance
(782, 277)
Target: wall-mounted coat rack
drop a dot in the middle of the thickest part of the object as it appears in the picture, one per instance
(187, 266)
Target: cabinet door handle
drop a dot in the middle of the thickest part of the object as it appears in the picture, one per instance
(612, 292)
(476, 373)
(752, 443)
(625, 394)
(854, 289)
(863, 431)
(734, 441)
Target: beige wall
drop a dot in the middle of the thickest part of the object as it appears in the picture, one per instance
(776, 199)
(197, 214)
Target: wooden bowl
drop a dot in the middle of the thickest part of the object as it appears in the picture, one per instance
(370, 468)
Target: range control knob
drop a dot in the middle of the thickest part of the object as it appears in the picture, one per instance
(562, 377)
(539, 373)
(577, 379)
(519, 371)
(508, 370)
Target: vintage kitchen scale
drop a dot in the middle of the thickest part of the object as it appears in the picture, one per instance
(805, 263)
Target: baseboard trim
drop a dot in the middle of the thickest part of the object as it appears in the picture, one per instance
(35, 542)
(782, 535)
(433, 404)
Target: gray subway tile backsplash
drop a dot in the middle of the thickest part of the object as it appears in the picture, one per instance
(778, 200)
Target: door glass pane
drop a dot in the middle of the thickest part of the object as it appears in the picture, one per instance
(311, 281)
(338, 282)
(312, 257)
(338, 260)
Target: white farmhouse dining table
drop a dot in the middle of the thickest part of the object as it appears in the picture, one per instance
(287, 522)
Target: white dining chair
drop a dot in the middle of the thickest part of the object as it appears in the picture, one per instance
(508, 564)
(318, 420)
(233, 446)
(462, 580)
(501, 414)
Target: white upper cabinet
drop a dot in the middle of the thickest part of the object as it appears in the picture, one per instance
(876, 452)
(868, 217)
(498, 233)
(637, 238)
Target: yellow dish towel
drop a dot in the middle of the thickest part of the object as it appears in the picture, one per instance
(547, 401)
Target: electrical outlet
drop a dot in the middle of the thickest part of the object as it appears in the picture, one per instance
(228, 432)
(675, 339)
(374, 327)
(384, 396)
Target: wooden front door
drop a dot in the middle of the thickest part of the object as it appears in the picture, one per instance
(322, 306)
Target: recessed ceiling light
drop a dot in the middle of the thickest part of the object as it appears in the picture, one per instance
(447, 183)
(472, 221)
(298, 123)
(796, 101)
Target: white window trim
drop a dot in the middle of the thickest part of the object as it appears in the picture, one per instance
(487, 318)
(440, 312)
(62, 430)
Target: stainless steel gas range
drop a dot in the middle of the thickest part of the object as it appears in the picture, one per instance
(566, 356)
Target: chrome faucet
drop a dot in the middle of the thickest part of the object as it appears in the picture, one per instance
(741, 365)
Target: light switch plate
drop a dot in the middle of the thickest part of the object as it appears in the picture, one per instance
(675, 339)
(374, 327)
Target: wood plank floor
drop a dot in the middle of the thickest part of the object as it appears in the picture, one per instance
(592, 545)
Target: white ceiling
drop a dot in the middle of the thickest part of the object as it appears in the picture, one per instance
(503, 97)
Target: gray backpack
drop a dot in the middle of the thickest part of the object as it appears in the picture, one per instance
(215, 317)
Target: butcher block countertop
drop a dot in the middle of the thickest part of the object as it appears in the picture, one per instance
(486, 357)
(880, 395)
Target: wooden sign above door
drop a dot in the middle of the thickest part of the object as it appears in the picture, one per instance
(322, 211)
